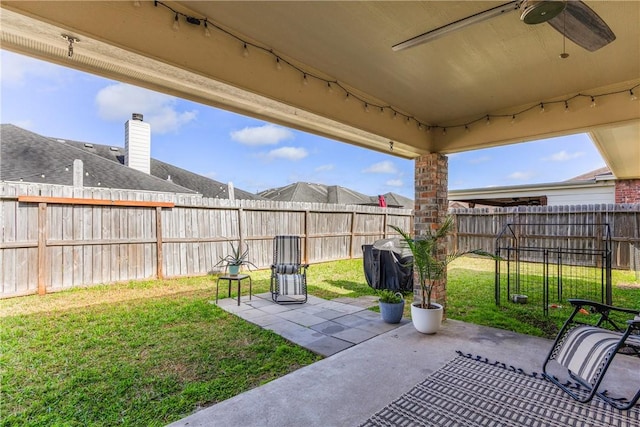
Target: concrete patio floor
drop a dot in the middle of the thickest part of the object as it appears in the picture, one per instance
(348, 387)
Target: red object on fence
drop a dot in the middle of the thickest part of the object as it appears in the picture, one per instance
(382, 202)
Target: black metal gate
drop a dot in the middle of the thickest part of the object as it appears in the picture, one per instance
(546, 264)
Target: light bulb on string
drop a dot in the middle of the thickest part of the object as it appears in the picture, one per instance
(366, 107)
(381, 110)
(329, 87)
(245, 50)
(632, 96)
(390, 145)
(593, 102)
(566, 107)
(513, 119)
(136, 3)
(305, 80)
(467, 129)
(278, 64)
(395, 115)
(346, 97)
(407, 121)
(176, 23)
(488, 121)
(207, 33)
(541, 108)
(444, 131)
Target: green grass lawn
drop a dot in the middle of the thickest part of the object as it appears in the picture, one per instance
(148, 353)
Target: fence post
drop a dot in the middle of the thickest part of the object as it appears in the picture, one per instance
(307, 214)
(352, 231)
(42, 248)
(159, 252)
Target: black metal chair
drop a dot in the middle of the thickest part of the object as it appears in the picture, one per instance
(587, 344)
(288, 274)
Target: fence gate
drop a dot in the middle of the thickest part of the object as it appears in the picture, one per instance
(546, 264)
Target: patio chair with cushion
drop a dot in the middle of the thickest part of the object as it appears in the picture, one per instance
(288, 274)
(586, 346)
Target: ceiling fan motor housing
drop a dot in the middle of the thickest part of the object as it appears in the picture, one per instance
(537, 12)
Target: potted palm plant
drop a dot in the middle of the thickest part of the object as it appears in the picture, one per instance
(235, 259)
(391, 306)
(426, 315)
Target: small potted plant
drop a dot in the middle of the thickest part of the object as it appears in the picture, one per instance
(234, 260)
(391, 306)
(426, 315)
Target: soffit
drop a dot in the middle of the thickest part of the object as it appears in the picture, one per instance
(498, 67)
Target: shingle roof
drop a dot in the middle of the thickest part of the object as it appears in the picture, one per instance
(320, 193)
(28, 156)
(589, 176)
(206, 186)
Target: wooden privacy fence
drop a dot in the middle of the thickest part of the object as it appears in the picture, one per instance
(59, 237)
(478, 228)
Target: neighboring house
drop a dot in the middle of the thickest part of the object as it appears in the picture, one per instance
(29, 157)
(320, 193)
(595, 187)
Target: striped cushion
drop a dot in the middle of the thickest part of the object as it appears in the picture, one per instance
(290, 284)
(286, 268)
(286, 250)
(586, 349)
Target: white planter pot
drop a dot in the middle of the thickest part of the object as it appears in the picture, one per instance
(426, 320)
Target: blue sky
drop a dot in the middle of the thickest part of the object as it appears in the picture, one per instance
(60, 102)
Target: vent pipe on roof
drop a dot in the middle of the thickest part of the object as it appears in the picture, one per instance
(137, 144)
(231, 191)
(78, 173)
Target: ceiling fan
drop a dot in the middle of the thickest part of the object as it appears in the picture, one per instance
(574, 19)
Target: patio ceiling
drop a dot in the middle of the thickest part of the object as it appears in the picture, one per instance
(499, 68)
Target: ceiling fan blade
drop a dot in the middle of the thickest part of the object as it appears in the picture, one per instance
(457, 25)
(580, 24)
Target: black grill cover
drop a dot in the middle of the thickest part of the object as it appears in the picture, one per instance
(387, 269)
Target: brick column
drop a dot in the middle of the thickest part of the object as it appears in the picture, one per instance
(431, 176)
(628, 191)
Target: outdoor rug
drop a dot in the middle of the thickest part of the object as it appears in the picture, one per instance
(471, 391)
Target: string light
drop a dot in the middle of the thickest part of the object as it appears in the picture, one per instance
(390, 145)
(348, 95)
(366, 107)
(566, 106)
(176, 23)
(593, 102)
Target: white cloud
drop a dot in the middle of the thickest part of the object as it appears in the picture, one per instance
(381, 167)
(394, 183)
(478, 160)
(563, 156)
(521, 176)
(288, 153)
(118, 101)
(261, 135)
(325, 168)
(17, 70)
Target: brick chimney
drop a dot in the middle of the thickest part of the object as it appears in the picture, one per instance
(137, 144)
